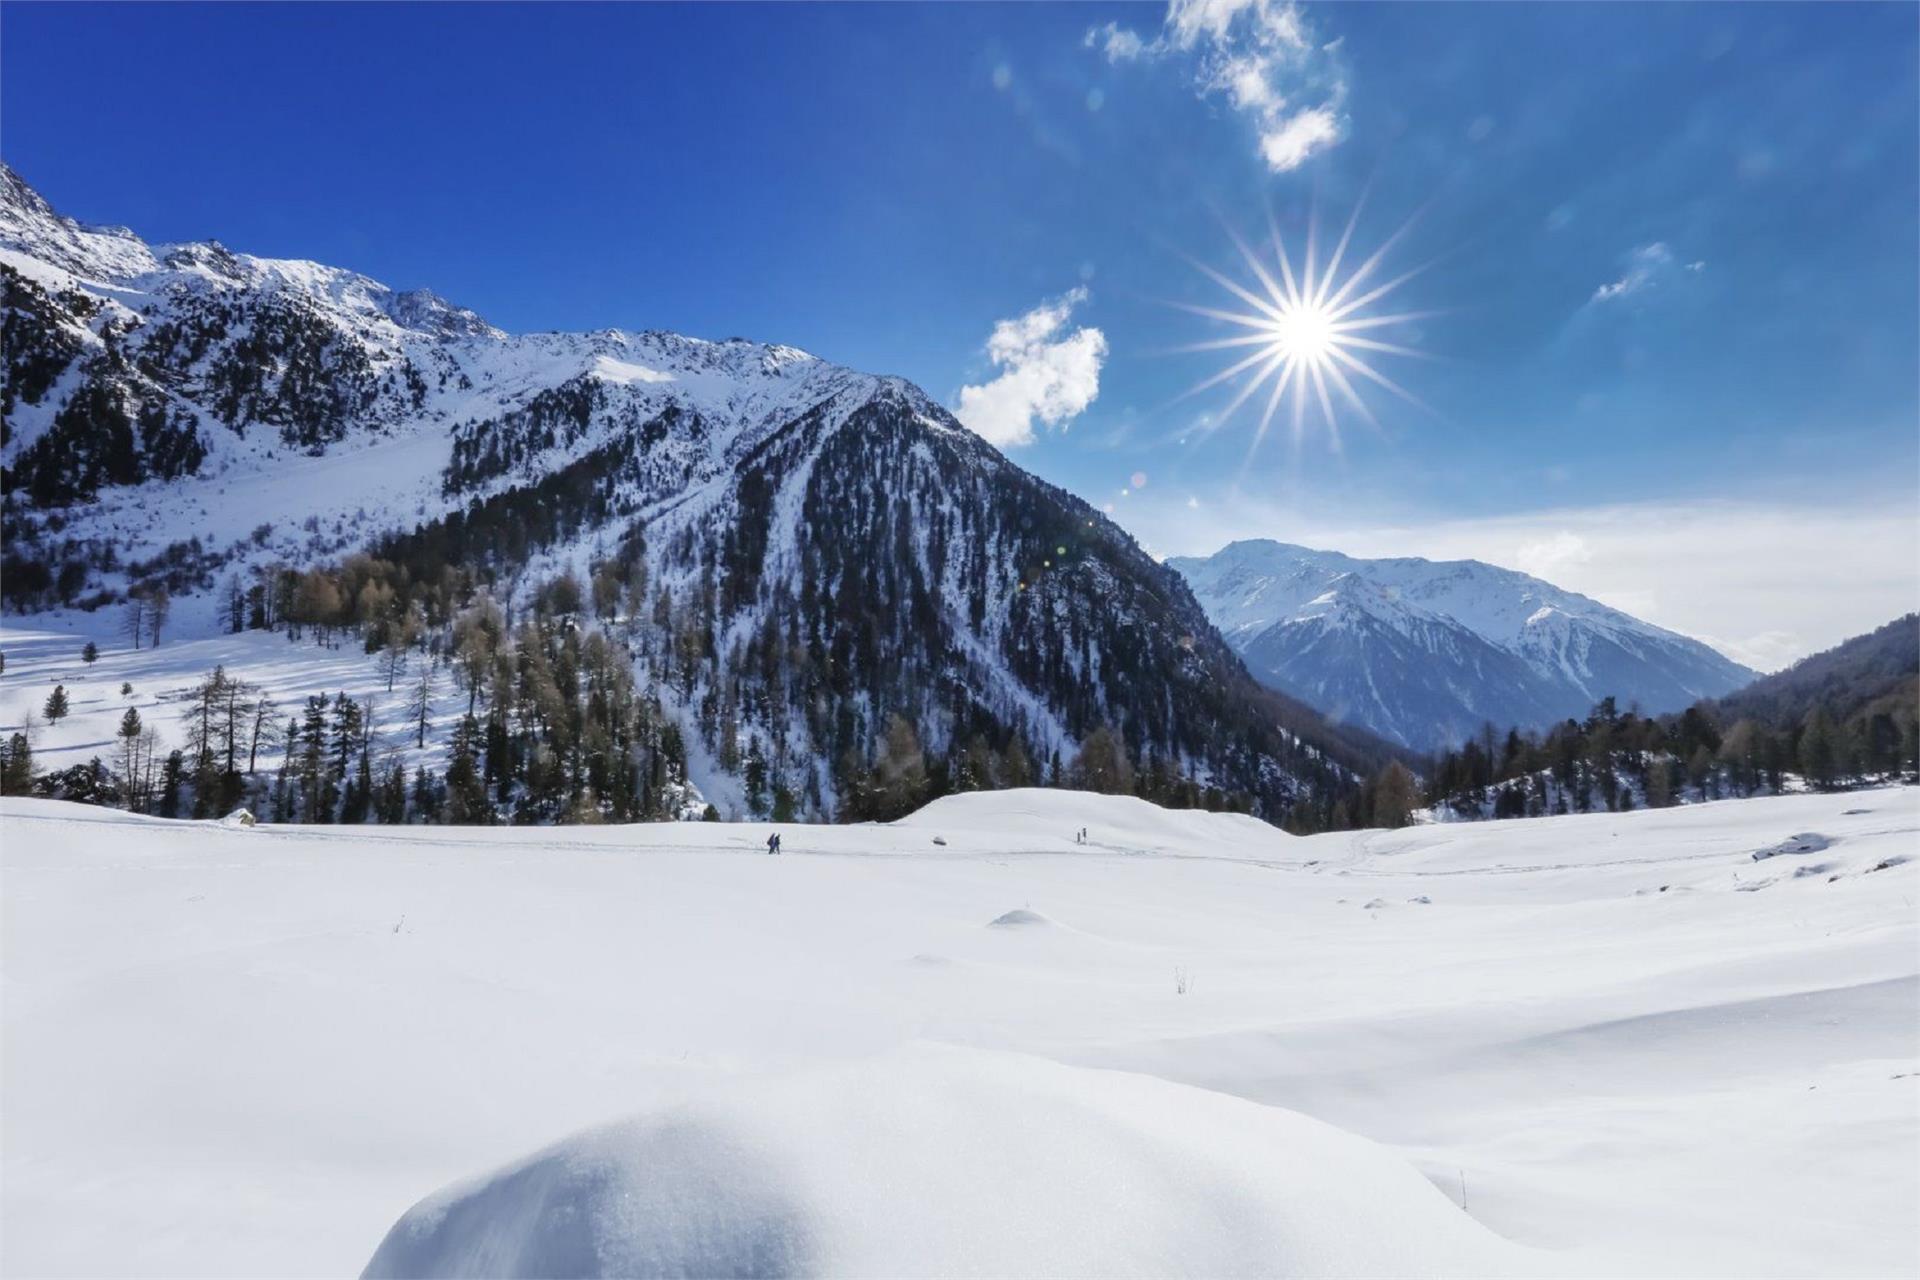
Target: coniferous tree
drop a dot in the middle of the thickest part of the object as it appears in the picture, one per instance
(129, 735)
(16, 766)
(466, 796)
(754, 775)
(172, 777)
(312, 767)
(420, 704)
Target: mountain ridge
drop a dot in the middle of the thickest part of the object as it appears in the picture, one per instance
(808, 552)
(1423, 652)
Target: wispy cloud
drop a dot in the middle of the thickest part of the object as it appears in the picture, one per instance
(1647, 267)
(1048, 374)
(1554, 554)
(1262, 56)
(1118, 43)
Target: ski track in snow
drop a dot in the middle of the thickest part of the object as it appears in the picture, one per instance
(245, 1052)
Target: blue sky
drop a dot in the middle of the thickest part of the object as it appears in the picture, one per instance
(1671, 248)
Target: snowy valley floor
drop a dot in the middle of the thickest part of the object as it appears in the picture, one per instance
(1625, 1044)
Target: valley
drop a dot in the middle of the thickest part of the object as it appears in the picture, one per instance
(1625, 1045)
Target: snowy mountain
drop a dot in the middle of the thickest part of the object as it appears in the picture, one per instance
(800, 551)
(1424, 652)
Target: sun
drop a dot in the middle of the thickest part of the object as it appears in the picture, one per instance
(1304, 333)
(1310, 332)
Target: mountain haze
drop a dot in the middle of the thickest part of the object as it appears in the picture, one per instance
(1424, 652)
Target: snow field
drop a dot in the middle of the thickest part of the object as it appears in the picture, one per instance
(1618, 1039)
(48, 653)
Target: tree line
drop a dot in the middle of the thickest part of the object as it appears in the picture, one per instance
(1615, 760)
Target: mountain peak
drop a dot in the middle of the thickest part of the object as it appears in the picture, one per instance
(30, 225)
(1512, 648)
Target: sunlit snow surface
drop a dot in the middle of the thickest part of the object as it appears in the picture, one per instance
(1625, 1044)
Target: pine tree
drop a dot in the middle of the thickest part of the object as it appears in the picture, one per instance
(90, 653)
(426, 801)
(312, 739)
(420, 704)
(129, 735)
(16, 766)
(171, 778)
(56, 708)
(755, 777)
(466, 796)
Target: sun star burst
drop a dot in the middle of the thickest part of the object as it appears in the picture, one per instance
(1309, 333)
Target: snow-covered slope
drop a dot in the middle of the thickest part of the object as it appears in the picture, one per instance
(1617, 1038)
(812, 550)
(1423, 652)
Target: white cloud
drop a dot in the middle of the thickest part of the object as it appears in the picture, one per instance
(1118, 43)
(1765, 584)
(1646, 267)
(1561, 550)
(1263, 57)
(1047, 374)
(1296, 137)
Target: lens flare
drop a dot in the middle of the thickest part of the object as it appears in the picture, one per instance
(1309, 332)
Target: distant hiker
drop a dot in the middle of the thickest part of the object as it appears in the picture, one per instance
(773, 843)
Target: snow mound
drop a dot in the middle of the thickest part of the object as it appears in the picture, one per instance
(1125, 824)
(936, 1161)
(1019, 916)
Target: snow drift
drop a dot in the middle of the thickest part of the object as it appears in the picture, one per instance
(935, 1161)
(1615, 1037)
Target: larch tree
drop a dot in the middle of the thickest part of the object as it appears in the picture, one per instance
(159, 605)
(134, 621)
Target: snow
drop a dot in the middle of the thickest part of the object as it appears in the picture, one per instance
(1278, 605)
(393, 457)
(45, 650)
(623, 372)
(1014, 1166)
(1616, 1038)
(1249, 585)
